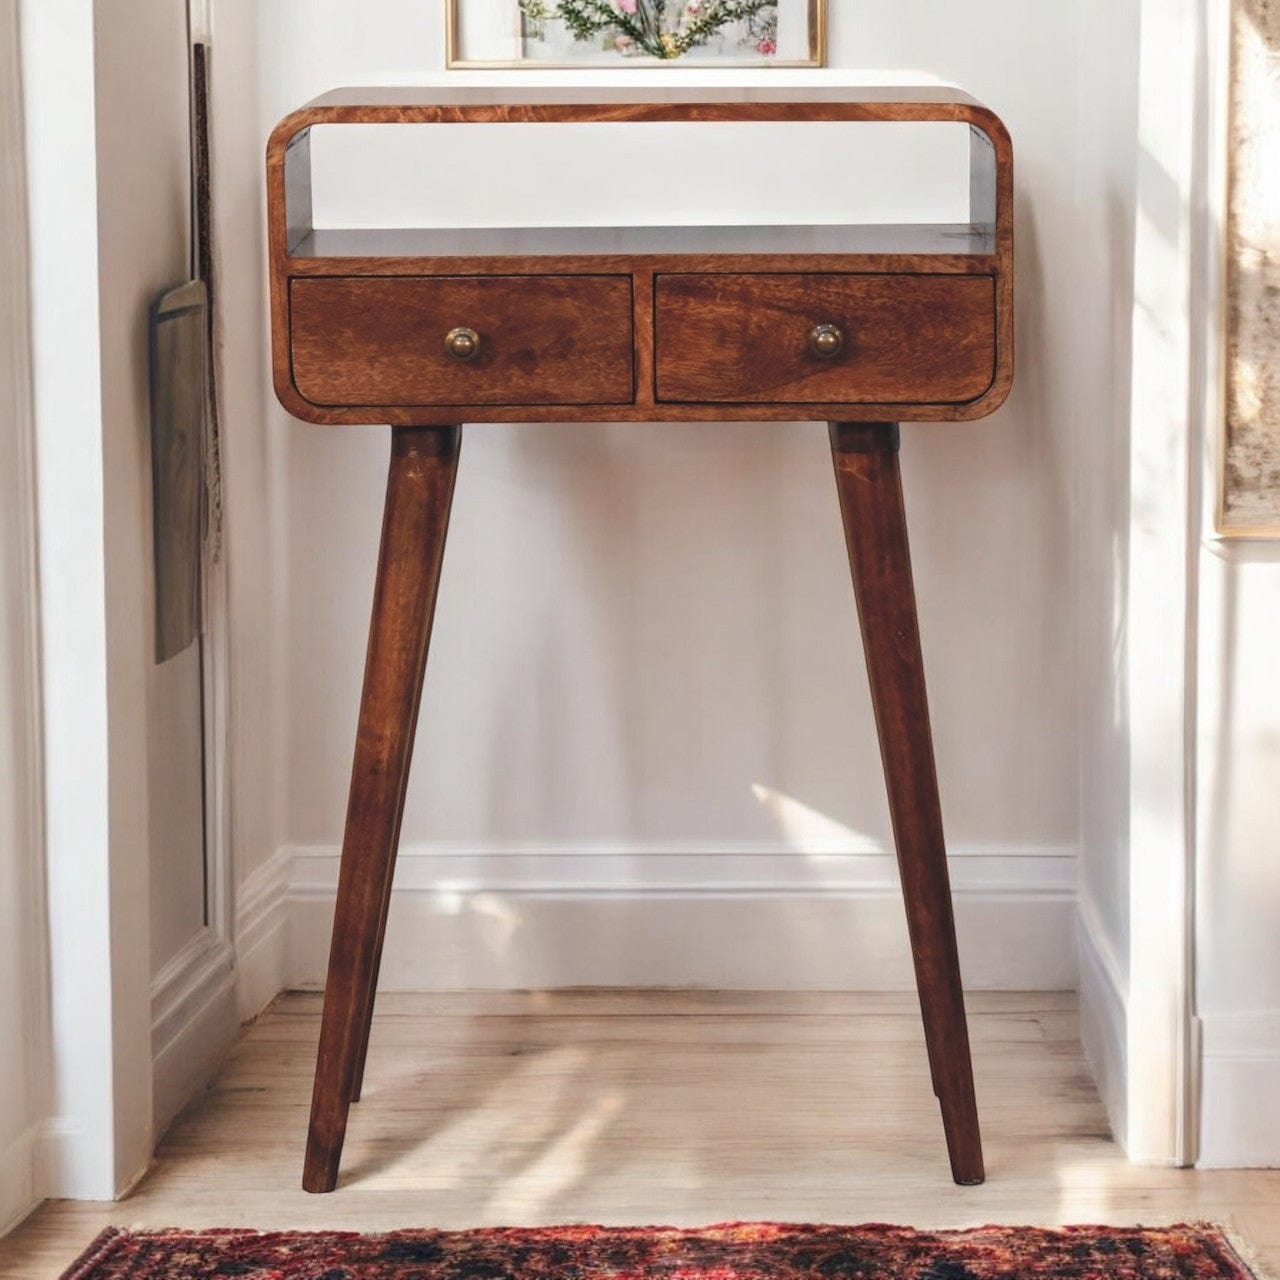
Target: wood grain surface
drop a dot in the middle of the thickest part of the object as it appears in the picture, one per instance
(869, 482)
(982, 247)
(908, 339)
(635, 1107)
(420, 481)
(545, 339)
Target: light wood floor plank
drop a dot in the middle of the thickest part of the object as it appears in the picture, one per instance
(682, 1107)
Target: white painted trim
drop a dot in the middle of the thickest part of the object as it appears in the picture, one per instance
(26, 958)
(707, 916)
(1104, 1018)
(20, 1181)
(1240, 1079)
(1212, 1128)
(215, 694)
(840, 847)
(93, 1157)
(1162, 584)
(261, 936)
(193, 1023)
(691, 867)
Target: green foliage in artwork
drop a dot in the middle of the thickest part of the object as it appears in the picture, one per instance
(658, 28)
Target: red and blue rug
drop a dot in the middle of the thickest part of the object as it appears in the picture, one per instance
(734, 1251)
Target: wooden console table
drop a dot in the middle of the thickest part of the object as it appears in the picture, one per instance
(857, 326)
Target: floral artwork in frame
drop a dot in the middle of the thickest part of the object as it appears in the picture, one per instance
(636, 33)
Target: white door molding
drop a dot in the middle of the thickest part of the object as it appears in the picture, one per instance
(99, 1138)
(24, 1041)
(1171, 389)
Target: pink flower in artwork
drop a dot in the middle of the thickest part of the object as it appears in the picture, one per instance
(627, 6)
(694, 7)
(767, 48)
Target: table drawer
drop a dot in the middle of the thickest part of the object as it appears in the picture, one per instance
(381, 340)
(897, 339)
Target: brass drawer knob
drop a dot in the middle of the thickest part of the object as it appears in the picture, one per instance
(826, 341)
(462, 344)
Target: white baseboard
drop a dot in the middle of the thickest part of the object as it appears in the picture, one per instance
(203, 995)
(193, 1023)
(1104, 1018)
(21, 1185)
(769, 917)
(1240, 1085)
(261, 936)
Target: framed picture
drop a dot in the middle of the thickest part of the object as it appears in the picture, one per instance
(534, 34)
(1249, 470)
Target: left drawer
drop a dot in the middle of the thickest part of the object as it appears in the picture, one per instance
(536, 340)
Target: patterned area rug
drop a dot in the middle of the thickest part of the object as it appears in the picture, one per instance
(734, 1251)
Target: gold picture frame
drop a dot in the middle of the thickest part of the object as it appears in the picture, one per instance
(1248, 454)
(459, 58)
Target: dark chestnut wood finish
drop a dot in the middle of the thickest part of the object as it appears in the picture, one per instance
(636, 325)
(559, 340)
(875, 527)
(983, 246)
(424, 463)
(917, 339)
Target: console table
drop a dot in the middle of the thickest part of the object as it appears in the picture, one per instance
(858, 326)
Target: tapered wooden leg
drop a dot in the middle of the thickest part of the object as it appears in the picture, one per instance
(867, 475)
(424, 462)
(362, 1050)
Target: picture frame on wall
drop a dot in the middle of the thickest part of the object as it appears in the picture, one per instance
(547, 34)
(1249, 452)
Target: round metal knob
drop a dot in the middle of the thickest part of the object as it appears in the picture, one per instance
(826, 341)
(462, 344)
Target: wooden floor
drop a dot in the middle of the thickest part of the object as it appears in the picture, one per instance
(635, 1107)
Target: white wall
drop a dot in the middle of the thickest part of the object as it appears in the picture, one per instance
(646, 684)
(23, 1034)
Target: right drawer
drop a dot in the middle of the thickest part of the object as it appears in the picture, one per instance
(824, 339)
